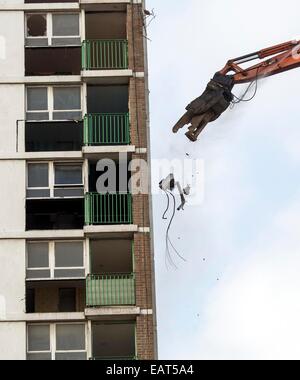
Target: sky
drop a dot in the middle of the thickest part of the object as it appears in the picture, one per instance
(237, 296)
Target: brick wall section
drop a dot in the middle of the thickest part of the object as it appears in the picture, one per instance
(137, 109)
(143, 269)
(145, 337)
(142, 247)
(135, 36)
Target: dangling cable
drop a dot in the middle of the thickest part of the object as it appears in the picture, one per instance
(169, 227)
(167, 209)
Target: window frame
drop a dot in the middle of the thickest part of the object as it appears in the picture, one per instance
(38, 269)
(37, 188)
(49, 29)
(51, 180)
(51, 259)
(52, 338)
(50, 106)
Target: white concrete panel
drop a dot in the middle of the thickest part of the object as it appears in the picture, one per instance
(12, 279)
(12, 43)
(12, 109)
(12, 196)
(12, 340)
(11, 2)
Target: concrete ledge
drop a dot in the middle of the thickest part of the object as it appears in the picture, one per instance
(54, 317)
(102, 312)
(106, 76)
(44, 317)
(42, 6)
(104, 151)
(110, 231)
(47, 234)
(53, 79)
(43, 156)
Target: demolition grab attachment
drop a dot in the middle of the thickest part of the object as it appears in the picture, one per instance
(218, 95)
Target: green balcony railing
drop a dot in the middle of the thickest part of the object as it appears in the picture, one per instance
(104, 54)
(106, 129)
(110, 290)
(105, 209)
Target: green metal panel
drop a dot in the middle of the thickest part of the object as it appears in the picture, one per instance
(104, 54)
(104, 209)
(107, 129)
(110, 290)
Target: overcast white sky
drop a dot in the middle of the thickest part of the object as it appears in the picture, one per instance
(247, 229)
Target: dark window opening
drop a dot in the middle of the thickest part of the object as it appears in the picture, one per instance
(107, 99)
(53, 136)
(113, 340)
(111, 256)
(59, 214)
(67, 300)
(121, 182)
(30, 301)
(53, 61)
(105, 25)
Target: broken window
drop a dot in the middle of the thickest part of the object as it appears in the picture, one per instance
(53, 103)
(53, 29)
(37, 25)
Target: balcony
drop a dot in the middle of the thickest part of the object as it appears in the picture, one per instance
(110, 290)
(106, 129)
(108, 209)
(105, 54)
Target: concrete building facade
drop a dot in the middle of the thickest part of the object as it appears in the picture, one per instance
(76, 264)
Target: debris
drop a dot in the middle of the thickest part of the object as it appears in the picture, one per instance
(168, 185)
(187, 190)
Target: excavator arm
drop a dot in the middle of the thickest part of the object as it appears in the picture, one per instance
(218, 95)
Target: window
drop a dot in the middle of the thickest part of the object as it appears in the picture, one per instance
(60, 103)
(52, 29)
(55, 260)
(56, 341)
(38, 342)
(54, 180)
(37, 181)
(65, 25)
(38, 260)
(68, 180)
